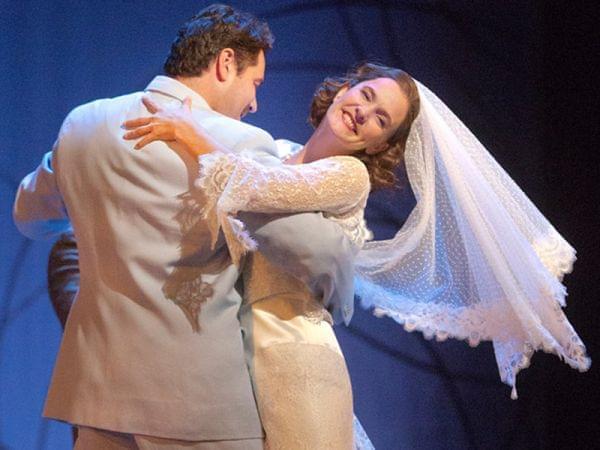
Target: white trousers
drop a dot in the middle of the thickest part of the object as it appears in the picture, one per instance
(96, 439)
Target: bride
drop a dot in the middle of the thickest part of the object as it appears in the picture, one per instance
(475, 260)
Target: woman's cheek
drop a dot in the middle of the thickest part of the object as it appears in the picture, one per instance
(371, 135)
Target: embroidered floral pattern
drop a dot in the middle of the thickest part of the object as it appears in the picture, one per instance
(190, 296)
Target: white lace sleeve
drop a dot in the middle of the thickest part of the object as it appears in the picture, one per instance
(338, 186)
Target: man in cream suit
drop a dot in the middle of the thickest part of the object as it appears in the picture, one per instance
(152, 353)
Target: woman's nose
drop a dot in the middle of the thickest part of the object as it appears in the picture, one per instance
(359, 116)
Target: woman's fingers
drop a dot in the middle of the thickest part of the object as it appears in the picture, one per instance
(138, 132)
(152, 107)
(135, 123)
(162, 126)
(149, 134)
(145, 141)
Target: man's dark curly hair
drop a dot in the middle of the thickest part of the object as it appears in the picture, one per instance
(214, 28)
(381, 166)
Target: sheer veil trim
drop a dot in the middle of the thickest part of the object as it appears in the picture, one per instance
(361, 440)
(475, 260)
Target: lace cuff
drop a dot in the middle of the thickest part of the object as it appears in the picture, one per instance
(215, 172)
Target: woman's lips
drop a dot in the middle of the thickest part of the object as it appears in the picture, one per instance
(349, 121)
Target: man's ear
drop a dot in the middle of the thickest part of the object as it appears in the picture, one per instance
(225, 64)
(378, 148)
(341, 91)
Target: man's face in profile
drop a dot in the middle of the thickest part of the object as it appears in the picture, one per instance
(241, 95)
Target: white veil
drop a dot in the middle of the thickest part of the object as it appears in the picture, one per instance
(475, 260)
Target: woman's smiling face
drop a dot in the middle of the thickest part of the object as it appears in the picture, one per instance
(366, 115)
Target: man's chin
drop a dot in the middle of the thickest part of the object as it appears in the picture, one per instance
(233, 116)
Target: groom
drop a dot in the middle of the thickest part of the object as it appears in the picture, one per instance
(152, 354)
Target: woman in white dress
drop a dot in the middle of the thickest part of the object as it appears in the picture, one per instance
(301, 381)
(476, 260)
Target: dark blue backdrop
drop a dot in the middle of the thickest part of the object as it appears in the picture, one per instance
(516, 72)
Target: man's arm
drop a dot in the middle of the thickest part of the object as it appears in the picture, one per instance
(307, 245)
(39, 212)
(313, 249)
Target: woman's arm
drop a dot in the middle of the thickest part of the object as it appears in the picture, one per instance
(333, 185)
(174, 125)
(338, 186)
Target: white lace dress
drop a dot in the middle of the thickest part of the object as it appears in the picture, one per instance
(299, 374)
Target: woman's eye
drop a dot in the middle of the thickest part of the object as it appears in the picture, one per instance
(381, 122)
(365, 95)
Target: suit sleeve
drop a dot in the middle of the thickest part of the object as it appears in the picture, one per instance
(39, 211)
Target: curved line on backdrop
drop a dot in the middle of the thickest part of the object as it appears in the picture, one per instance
(27, 302)
(295, 66)
(439, 369)
(10, 288)
(394, 54)
(450, 385)
(9, 181)
(11, 283)
(417, 364)
(388, 35)
(433, 8)
(43, 434)
(353, 35)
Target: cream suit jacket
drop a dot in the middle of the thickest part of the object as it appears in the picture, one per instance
(153, 343)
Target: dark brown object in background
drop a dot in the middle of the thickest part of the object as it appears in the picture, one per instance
(63, 275)
(63, 280)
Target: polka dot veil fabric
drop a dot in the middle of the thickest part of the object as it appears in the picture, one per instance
(476, 259)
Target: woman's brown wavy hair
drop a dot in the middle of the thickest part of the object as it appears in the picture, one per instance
(381, 166)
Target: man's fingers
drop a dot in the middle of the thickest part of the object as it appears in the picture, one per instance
(150, 105)
(134, 123)
(138, 132)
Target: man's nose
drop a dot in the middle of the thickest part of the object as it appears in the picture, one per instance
(253, 106)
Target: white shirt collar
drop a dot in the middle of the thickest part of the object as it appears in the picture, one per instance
(173, 88)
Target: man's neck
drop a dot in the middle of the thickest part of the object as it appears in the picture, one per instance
(204, 87)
